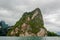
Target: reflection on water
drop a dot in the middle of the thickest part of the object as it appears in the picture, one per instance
(29, 38)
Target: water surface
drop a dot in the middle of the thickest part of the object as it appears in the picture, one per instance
(29, 38)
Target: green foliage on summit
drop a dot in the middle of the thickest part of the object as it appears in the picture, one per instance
(35, 24)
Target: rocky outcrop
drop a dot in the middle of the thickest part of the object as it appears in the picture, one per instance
(42, 32)
(30, 24)
(35, 14)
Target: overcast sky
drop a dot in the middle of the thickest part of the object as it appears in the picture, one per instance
(12, 10)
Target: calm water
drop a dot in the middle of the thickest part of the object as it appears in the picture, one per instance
(29, 38)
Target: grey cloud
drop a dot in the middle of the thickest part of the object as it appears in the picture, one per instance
(15, 9)
(52, 6)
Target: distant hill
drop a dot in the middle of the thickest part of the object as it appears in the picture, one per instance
(58, 33)
(3, 24)
(3, 28)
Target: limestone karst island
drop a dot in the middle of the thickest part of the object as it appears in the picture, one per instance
(30, 24)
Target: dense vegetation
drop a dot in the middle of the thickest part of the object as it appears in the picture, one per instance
(51, 34)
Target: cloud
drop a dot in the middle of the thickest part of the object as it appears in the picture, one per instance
(12, 10)
(52, 22)
(10, 21)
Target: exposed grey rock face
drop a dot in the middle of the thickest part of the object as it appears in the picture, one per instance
(30, 24)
